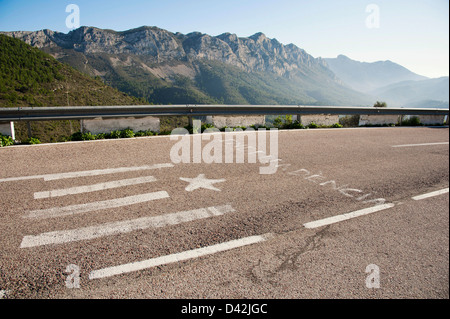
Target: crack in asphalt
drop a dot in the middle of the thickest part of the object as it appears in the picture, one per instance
(287, 260)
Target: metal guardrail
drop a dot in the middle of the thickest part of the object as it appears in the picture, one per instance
(89, 112)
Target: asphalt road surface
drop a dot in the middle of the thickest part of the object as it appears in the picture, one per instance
(341, 216)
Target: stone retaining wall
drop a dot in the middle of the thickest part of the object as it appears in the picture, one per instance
(378, 119)
(233, 121)
(319, 119)
(99, 125)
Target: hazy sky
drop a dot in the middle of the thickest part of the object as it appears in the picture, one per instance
(413, 33)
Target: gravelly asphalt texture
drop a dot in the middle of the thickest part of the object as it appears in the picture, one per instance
(321, 173)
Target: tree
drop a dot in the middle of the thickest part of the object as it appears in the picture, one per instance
(380, 104)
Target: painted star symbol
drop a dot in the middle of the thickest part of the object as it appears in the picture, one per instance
(201, 182)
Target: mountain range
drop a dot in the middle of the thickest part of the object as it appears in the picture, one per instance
(367, 77)
(174, 68)
(391, 82)
(197, 68)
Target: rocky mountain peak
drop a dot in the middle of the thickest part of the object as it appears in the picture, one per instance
(259, 37)
(168, 67)
(257, 53)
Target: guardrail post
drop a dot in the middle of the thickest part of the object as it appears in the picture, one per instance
(13, 133)
(29, 129)
(298, 116)
(7, 128)
(190, 117)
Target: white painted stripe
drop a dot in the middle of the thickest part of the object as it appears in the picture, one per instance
(83, 208)
(21, 178)
(94, 187)
(421, 144)
(427, 195)
(50, 177)
(104, 171)
(168, 259)
(339, 218)
(113, 228)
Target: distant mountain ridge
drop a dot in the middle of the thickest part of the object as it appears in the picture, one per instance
(197, 68)
(369, 76)
(422, 93)
(391, 82)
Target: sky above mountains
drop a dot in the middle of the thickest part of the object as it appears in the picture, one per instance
(412, 33)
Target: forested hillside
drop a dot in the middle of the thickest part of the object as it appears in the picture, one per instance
(30, 77)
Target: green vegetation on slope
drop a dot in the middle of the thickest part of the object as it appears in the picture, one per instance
(214, 82)
(30, 77)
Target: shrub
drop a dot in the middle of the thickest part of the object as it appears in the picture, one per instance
(283, 121)
(190, 129)
(336, 125)
(296, 125)
(205, 126)
(413, 121)
(350, 120)
(100, 136)
(33, 140)
(258, 126)
(114, 134)
(139, 133)
(145, 133)
(380, 104)
(126, 133)
(5, 140)
(312, 125)
(88, 136)
(78, 136)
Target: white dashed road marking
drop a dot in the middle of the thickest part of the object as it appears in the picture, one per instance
(339, 218)
(113, 228)
(420, 144)
(50, 177)
(84, 208)
(432, 194)
(168, 259)
(93, 188)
